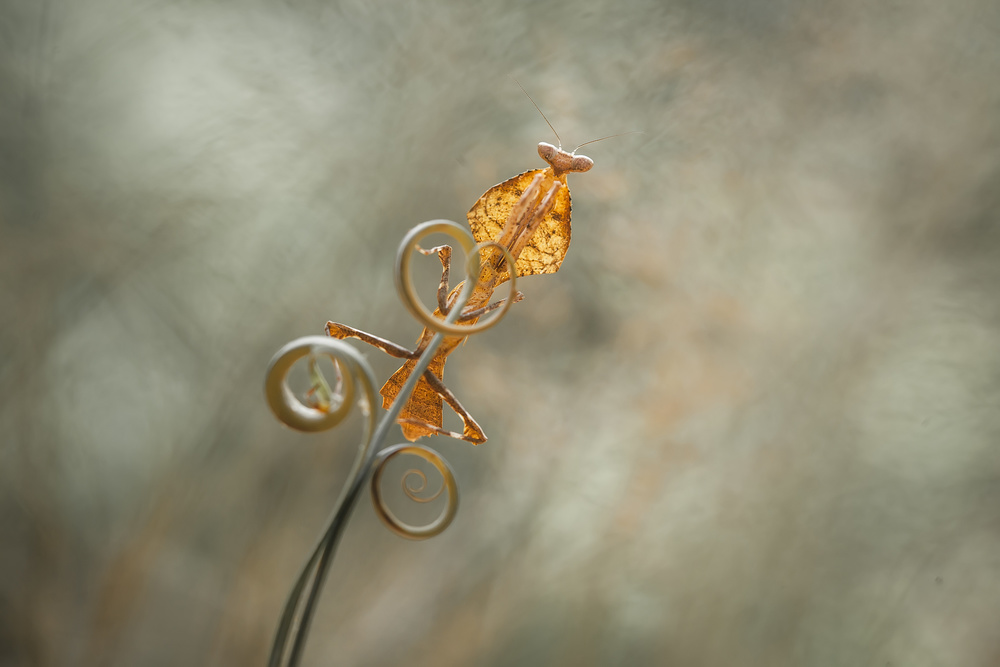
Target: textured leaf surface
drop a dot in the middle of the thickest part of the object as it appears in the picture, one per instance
(547, 248)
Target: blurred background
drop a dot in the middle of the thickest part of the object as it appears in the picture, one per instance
(752, 421)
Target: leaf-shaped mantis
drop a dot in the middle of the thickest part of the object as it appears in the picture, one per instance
(529, 216)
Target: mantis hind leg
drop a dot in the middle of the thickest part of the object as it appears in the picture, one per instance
(471, 431)
(342, 331)
(476, 438)
(431, 425)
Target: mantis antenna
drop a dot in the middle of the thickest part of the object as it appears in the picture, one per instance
(539, 111)
(610, 136)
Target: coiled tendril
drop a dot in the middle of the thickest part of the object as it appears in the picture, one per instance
(447, 482)
(356, 385)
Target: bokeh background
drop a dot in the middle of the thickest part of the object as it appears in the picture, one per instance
(752, 421)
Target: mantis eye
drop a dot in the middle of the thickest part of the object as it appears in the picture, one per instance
(547, 151)
(581, 163)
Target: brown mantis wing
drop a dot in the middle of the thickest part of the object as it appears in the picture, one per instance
(545, 251)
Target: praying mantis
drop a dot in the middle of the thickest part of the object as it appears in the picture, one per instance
(529, 216)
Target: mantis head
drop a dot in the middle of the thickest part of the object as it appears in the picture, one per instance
(561, 161)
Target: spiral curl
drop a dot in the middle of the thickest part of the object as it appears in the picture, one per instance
(351, 367)
(448, 483)
(473, 264)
